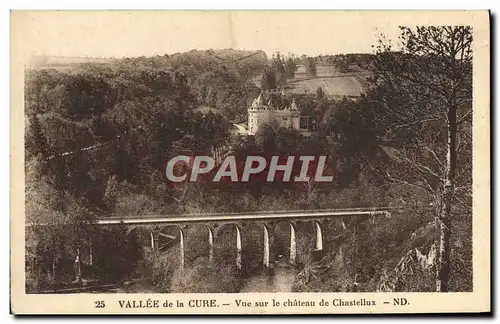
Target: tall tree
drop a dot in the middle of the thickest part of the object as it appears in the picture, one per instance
(424, 95)
(278, 67)
(311, 67)
(268, 80)
(290, 68)
(36, 143)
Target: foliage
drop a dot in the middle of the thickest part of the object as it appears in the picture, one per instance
(205, 277)
(268, 81)
(278, 71)
(290, 68)
(59, 225)
(117, 254)
(311, 67)
(163, 266)
(358, 259)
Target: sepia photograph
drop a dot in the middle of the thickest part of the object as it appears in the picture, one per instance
(234, 152)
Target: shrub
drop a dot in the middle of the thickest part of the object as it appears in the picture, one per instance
(206, 277)
(163, 267)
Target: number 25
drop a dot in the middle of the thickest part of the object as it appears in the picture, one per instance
(99, 304)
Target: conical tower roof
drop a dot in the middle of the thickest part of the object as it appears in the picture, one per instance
(293, 106)
(259, 101)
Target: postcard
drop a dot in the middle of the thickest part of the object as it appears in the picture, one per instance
(250, 162)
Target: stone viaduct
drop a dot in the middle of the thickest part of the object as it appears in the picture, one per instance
(215, 222)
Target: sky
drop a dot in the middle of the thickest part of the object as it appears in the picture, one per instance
(126, 34)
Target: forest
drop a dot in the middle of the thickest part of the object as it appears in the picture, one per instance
(98, 136)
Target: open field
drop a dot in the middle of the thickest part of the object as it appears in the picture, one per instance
(332, 86)
(333, 82)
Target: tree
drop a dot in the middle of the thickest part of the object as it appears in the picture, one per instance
(36, 143)
(424, 95)
(342, 63)
(278, 67)
(290, 68)
(268, 80)
(181, 88)
(320, 93)
(311, 67)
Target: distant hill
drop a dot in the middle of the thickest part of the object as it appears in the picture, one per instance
(233, 55)
(64, 62)
(221, 56)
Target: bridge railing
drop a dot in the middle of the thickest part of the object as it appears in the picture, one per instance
(251, 216)
(270, 213)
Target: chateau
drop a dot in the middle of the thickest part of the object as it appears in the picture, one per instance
(260, 113)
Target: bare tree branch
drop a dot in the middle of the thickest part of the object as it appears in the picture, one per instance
(464, 117)
(391, 178)
(428, 149)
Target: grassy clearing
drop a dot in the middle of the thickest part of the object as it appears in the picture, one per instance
(333, 86)
(332, 81)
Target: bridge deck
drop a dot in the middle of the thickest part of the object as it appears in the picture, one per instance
(257, 216)
(295, 215)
